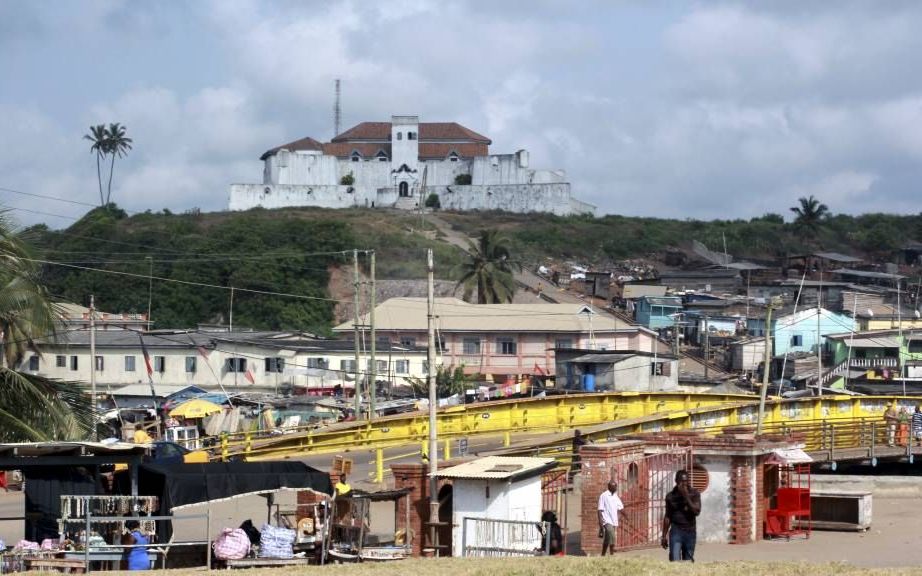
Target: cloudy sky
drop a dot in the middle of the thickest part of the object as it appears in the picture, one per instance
(681, 109)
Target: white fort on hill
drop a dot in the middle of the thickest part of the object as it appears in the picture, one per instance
(399, 164)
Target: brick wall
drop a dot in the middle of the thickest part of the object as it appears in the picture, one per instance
(415, 477)
(597, 462)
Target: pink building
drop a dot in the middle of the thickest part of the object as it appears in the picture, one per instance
(504, 339)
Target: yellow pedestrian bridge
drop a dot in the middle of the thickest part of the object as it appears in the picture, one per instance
(835, 427)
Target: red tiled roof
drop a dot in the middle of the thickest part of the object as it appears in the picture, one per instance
(426, 150)
(427, 131)
(307, 143)
(439, 150)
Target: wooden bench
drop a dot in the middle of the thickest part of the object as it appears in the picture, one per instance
(62, 565)
(266, 562)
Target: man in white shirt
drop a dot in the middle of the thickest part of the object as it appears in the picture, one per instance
(609, 506)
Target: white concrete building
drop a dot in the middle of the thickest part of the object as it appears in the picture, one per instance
(236, 362)
(399, 164)
(490, 492)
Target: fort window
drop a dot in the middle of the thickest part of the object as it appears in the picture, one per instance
(506, 346)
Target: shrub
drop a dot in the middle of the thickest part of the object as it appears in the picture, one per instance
(347, 180)
(432, 201)
(463, 179)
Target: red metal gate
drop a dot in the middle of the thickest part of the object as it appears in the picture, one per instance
(643, 485)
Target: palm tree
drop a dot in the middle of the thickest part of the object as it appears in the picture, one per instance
(32, 408)
(488, 270)
(118, 145)
(810, 216)
(99, 137)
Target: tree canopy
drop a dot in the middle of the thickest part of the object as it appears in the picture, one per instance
(488, 270)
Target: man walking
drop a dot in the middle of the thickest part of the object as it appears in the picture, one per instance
(609, 506)
(683, 504)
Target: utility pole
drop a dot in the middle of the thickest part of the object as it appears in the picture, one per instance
(675, 335)
(707, 348)
(93, 359)
(766, 367)
(819, 351)
(372, 387)
(355, 325)
(230, 327)
(150, 287)
(433, 401)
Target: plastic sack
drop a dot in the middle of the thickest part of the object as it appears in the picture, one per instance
(231, 544)
(49, 544)
(276, 542)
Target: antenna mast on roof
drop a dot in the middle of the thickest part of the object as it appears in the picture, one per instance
(337, 111)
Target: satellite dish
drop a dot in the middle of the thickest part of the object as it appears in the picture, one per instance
(917, 313)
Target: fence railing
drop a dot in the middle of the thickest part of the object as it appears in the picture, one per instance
(492, 537)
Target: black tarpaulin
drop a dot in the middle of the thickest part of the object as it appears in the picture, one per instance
(180, 484)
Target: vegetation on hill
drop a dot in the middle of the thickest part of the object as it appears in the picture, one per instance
(282, 251)
(292, 251)
(610, 238)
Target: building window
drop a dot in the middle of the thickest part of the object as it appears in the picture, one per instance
(381, 364)
(236, 364)
(425, 367)
(402, 366)
(356, 156)
(915, 346)
(453, 157)
(129, 363)
(160, 364)
(411, 135)
(505, 345)
(191, 362)
(381, 156)
(33, 363)
(60, 361)
(471, 346)
(408, 341)
(74, 364)
(100, 364)
(659, 369)
(347, 365)
(275, 365)
(797, 340)
(400, 135)
(317, 363)
(564, 343)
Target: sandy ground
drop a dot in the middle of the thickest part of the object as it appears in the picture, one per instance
(895, 538)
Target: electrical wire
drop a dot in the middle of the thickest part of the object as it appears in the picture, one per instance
(184, 282)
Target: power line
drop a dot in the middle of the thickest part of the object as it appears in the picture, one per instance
(185, 282)
(46, 197)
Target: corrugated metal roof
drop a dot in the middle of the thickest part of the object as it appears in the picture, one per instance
(499, 468)
(601, 358)
(640, 290)
(454, 315)
(867, 274)
(836, 257)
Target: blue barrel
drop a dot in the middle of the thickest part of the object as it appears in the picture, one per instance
(589, 382)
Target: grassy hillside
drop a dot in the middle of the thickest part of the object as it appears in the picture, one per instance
(293, 251)
(285, 251)
(610, 238)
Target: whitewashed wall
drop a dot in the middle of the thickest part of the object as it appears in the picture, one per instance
(714, 521)
(519, 500)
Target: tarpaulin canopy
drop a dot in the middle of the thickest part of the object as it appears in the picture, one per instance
(182, 484)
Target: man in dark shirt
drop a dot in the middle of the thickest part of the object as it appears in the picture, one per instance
(578, 442)
(683, 504)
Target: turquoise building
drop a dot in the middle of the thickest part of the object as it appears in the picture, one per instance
(657, 312)
(801, 331)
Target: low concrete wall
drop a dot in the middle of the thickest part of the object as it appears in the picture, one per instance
(880, 486)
